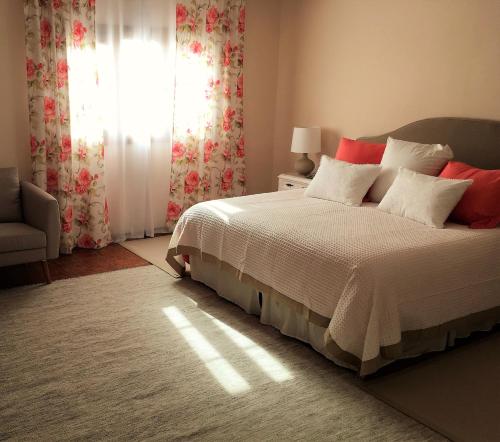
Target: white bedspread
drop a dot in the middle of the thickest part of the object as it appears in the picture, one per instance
(373, 274)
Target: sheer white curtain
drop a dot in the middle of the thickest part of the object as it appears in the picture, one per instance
(136, 50)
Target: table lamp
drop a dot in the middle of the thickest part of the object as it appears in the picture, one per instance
(305, 140)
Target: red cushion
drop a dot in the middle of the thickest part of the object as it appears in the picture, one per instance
(359, 152)
(480, 205)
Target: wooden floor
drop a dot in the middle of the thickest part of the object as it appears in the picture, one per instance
(80, 263)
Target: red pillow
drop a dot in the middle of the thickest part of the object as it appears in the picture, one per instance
(359, 152)
(480, 205)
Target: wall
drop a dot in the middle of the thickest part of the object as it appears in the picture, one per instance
(363, 67)
(259, 92)
(354, 67)
(14, 131)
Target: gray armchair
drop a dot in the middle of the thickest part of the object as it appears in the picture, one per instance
(29, 223)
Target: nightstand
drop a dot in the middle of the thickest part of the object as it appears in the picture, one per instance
(289, 181)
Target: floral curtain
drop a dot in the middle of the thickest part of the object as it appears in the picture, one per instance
(66, 140)
(208, 149)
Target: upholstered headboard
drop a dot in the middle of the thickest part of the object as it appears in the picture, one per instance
(474, 141)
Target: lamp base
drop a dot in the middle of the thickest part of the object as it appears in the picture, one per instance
(304, 165)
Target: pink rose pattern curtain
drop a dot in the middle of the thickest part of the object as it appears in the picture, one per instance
(67, 156)
(208, 145)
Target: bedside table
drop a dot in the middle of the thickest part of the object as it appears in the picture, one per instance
(289, 181)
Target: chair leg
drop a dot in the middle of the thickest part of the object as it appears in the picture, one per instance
(46, 272)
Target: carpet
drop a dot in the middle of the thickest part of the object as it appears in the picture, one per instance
(456, 392)
(153, 250)
(136, 354)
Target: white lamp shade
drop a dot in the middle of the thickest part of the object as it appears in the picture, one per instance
(306, 140)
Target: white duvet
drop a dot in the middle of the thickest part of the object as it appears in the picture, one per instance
(371, 274)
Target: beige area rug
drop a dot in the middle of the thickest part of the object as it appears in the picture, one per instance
(153, 250)
(456, 392)
(136, 354)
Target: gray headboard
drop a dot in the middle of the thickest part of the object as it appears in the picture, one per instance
(474, 141)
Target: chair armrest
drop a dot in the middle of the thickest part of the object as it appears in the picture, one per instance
(41, 210)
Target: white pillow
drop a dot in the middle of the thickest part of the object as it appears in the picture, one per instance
(426, 199)
(428, 159)
(342, 182)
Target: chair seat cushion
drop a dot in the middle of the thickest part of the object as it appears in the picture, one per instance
(19, 236)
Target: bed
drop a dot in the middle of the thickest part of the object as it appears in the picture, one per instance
(361, 286)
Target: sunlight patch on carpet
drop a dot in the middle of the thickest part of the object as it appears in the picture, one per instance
(220, 369)
(267, 363)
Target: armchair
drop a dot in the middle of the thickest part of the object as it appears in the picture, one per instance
(29, 223)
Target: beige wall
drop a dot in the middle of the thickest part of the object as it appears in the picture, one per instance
(362, 67)
(354, 67)
(14, 132)
(260, 76)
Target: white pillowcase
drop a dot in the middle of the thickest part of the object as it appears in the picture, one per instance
(426, 199)
(428, 159)
(342, 182)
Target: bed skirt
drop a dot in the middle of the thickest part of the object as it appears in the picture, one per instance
(294, 320)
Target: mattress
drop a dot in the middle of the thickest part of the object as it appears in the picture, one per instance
(376, 282)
